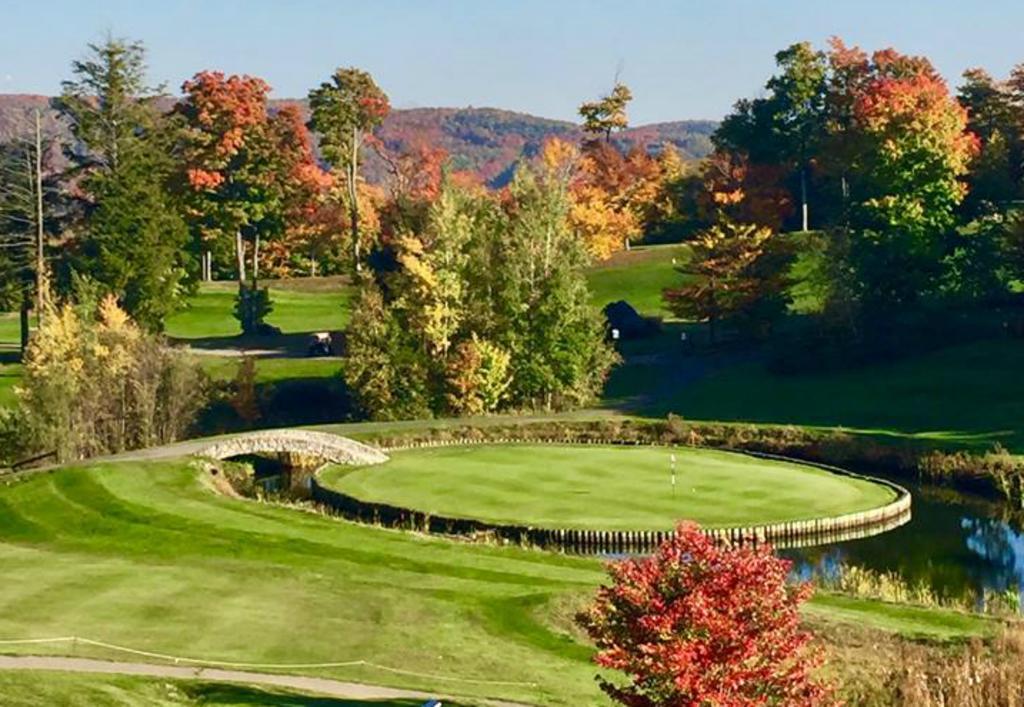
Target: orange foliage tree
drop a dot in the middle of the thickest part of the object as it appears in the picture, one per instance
(247, 173)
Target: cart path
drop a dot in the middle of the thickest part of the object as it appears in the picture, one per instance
(320, 686)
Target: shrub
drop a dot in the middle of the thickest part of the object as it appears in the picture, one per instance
(95, 383)
(699, 624)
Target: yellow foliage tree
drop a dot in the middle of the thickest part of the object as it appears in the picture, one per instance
(602, 226)
(94, 383)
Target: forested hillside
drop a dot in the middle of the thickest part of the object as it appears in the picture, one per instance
(487, 141)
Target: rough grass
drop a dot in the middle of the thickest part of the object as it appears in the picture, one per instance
(605, 487)
(299, 306)
(143, 554)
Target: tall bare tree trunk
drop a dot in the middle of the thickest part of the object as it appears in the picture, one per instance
(26, 309)
(255, 259)
(240, 256)
(353, 198)
(803, 196)
(40, 255)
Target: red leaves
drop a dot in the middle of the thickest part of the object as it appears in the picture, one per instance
(699, 624)
(244, 165)
(202, 180)
(225, 107)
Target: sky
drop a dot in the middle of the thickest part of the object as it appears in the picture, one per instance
(682, 59)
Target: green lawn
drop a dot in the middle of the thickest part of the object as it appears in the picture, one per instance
(269, 370)
(10, 330)
(605, 487)
(299, 306)
(637, 276)
(145, 555)
(30, 689)
(10, 374)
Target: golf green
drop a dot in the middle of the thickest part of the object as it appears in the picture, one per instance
(605, 487)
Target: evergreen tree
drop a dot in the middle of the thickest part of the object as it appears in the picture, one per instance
(133, 234)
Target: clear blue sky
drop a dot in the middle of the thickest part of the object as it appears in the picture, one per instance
(682, 59)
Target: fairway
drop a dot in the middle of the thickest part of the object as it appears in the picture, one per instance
(299, 306)
(638, 276)
(605, 487)
(147, 555)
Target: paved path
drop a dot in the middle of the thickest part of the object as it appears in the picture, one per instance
(320, 686)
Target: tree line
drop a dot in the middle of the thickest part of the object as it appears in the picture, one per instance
(894, 194)
(908, 196)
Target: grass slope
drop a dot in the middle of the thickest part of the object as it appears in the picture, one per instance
(605, 487)
(970, 395)
(315, 304)
(10, 330)
(146, 555)
(637, 276)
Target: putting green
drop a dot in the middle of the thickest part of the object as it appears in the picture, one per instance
(605, 487)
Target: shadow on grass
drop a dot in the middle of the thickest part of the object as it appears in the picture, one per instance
(969, 395)
(207, 693)
(283, 345)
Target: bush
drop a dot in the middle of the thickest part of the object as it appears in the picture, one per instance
(700, 624)
(996, 469)
(95, 383)
(252, 307)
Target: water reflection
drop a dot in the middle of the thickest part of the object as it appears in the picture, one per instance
(953, 542)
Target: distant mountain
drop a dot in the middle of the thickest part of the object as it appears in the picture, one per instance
(487, 141)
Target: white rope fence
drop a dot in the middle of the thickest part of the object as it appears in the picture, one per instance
(257, 666)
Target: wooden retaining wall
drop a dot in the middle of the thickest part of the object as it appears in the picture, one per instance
(799, 533)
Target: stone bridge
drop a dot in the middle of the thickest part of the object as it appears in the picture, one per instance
(330, 448)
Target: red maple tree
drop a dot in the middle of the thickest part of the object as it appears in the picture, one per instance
(703, 624)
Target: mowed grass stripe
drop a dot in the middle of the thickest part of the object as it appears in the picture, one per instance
(316, 590)
(606, 487)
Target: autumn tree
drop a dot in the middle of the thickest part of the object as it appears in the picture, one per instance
(556, 339)
(345, 110)
(133, 233)
(783, 128)
(995, 114)
(734, 188)
(478, 303)
(735, 271)
(302, 221)
(914, 150)
(608, 113)
(248, 175)
(222, 152)
(615, 198)
(701, 624)
(96, 383)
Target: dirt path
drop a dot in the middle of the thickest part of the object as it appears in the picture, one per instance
(319, 686)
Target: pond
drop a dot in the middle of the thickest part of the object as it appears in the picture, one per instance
(954, 542)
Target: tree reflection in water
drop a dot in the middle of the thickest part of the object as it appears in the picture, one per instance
(957, 544)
